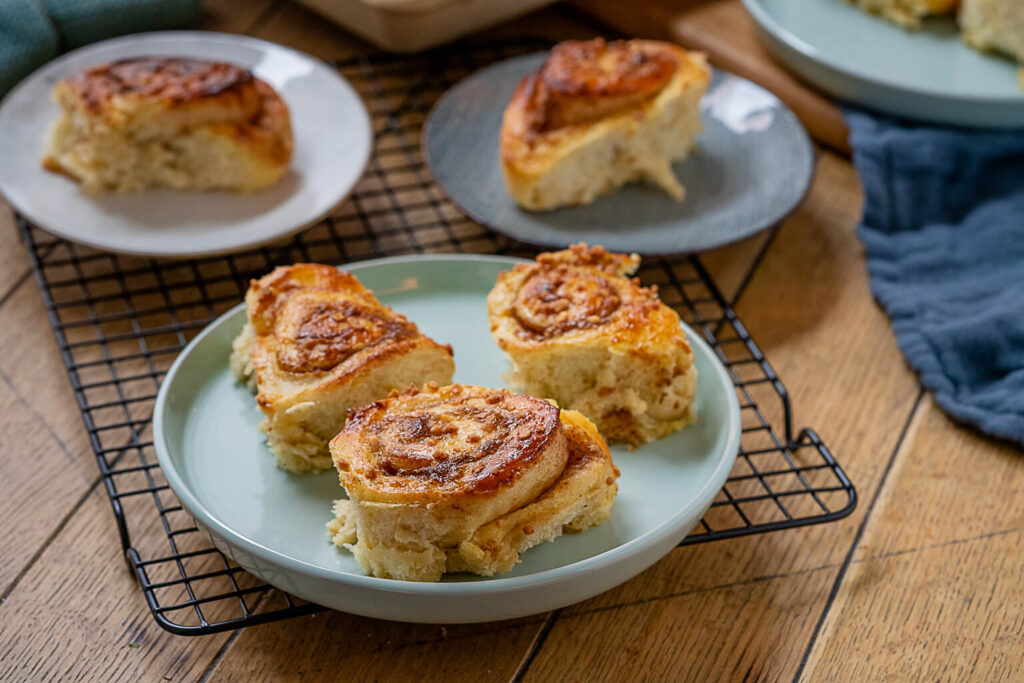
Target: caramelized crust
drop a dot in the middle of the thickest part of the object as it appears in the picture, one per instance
(597, 115)
(581, 497)
(442, 442)
(269, 294)
(174, 79)
(169, 121)
(464, 478)
(320, 316)
(586, 80)
(178, 91)
(312, 319)
(317, 344)
(577, 290)
(581, 332)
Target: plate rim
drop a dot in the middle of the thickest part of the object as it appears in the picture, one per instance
(766, 21)
(805, 139)
(610, 557)
(209, 37)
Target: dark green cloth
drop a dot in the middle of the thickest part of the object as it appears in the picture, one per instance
(27, 40)
(32, 32)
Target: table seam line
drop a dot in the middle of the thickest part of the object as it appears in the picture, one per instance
(15, 286)
(6, 379)
(50, 538)
(848, 560)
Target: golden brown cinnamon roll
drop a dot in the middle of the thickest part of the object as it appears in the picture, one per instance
(464, 478)
(579, 331)
(907, 13)
(597, 115)
(318, 343)
(994, 26)
(174, 121)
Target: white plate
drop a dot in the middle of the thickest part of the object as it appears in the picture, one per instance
(271, 523)
(929, 74)
(333, 141)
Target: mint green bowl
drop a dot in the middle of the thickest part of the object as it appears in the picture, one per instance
(272, 523)
(929, 74)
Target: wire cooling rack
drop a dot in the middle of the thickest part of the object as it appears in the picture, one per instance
(120, 321)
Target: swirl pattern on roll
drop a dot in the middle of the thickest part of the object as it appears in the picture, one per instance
(320, 316)
(464, 478)
(444, 441)
(579, 331)
(576, 290)
(583, 81)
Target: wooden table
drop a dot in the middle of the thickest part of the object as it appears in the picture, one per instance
(922, 581)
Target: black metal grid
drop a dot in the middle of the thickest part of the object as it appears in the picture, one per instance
(120, 321)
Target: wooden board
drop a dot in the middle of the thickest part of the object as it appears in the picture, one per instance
(724, 30)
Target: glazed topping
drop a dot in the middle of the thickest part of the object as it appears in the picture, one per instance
(176, 79)
(315, 317)
(448, 440)
(588, 80)
(268, 295)
(579, 288)
(317, 335)
(555, 300)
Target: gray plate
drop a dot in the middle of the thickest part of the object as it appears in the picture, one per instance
(753, 165)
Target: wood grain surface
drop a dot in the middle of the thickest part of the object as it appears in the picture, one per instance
(921, 582)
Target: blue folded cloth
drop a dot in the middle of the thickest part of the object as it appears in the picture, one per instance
(32, 32)
(943, 232)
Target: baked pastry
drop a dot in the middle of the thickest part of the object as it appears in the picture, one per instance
(172, 121)
(907, 13)
(318, 343)
(578, 331)
(597, 115)
(994, 26)
(464, 479)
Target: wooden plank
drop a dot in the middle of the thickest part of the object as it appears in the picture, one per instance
(327, 646)
(950, 484)
(724, 30)
(947, 612)
(751, 630)
(14, 268)
(78, 613)
(45, 448)
(934, 588)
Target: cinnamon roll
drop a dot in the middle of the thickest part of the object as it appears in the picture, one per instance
(597, 115)
(177, 122)
(907, 13)
(464, 478)
(579, 331)
(318, 343)
(995, 26)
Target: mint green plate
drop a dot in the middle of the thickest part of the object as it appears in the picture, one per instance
(929, 74)
(272, 523)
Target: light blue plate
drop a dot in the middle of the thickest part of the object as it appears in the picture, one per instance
(752, 166)
(930, 74)
(272, 522)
